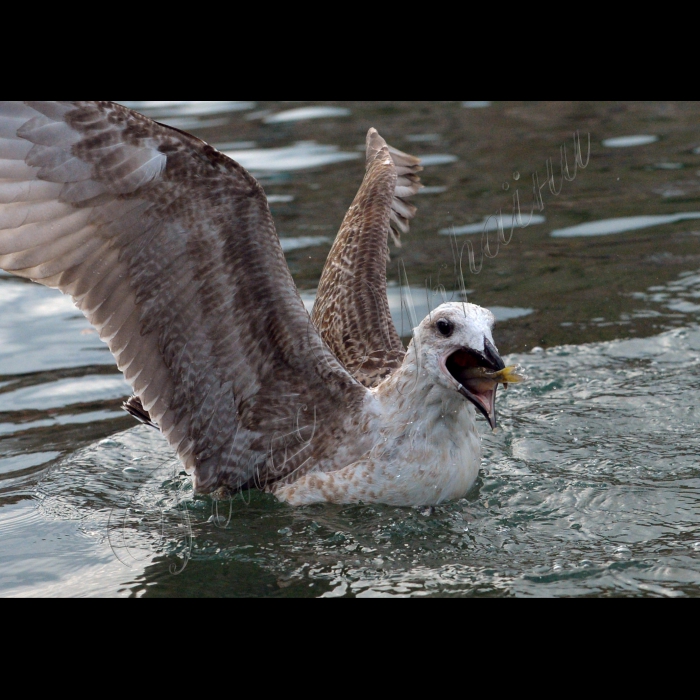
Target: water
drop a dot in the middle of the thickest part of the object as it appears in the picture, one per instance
(494, 223)
(590, 486)
(608, 227)
(629, 141)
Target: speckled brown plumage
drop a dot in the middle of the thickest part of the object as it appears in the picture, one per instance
(169, 249)
(352, 310)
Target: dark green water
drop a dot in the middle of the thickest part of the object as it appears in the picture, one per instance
(592, 484)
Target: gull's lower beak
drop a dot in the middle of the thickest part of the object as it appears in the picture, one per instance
(485, 402)
(464, 365)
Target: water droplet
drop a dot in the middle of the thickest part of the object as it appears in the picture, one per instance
(506, 186)
(516, 175)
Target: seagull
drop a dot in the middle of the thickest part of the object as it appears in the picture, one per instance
(169, 249)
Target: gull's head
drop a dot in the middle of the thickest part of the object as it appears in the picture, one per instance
(454, 345)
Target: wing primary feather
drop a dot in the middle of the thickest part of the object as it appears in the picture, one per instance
(352, 309)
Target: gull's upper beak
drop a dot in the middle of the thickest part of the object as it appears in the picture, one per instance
(463, 366)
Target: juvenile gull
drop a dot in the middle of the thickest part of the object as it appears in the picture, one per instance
(169, 248)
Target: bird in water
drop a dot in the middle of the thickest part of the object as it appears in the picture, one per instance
(169, 249)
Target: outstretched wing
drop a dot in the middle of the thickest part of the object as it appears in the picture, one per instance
(169, 249)
(352, 309)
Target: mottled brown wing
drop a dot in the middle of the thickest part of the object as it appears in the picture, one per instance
(352, 309)
(169, 249)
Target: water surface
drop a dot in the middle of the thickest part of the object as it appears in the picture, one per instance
(590, 486)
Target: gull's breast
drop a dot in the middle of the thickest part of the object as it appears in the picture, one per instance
(424, 465)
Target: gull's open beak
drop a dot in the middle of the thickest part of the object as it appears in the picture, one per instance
(464, 367)
(485, 403)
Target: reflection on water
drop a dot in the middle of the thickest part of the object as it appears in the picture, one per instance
(623, 225)
(63, 393)
(22, 462)
(190, 115)
(290, 244)
(590, 487)
(300, 156)
(437, 159)
(630, 141)
(305, 113)
(35, 318)
(184, 108)
(680, 295)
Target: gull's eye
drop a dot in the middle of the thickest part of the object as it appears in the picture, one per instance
(445, 327)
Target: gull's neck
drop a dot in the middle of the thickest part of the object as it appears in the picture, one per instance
(411, 400)
(430, 450)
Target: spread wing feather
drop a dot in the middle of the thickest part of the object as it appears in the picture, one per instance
(169, 249)
(352, 309)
